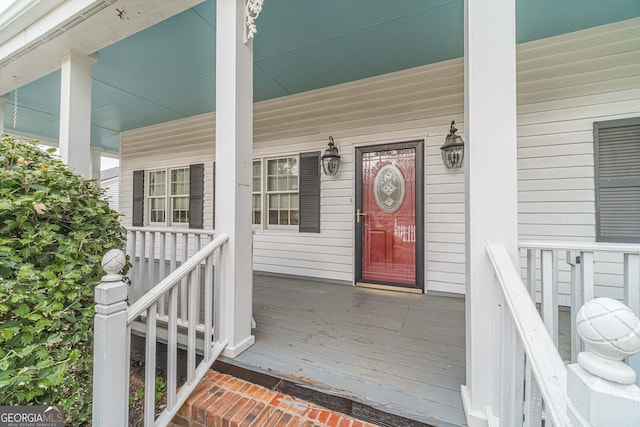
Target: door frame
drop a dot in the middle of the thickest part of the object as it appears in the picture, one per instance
(418, 144)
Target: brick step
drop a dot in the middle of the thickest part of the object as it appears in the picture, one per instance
(221, 400)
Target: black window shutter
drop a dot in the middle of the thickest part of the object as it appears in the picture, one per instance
(137, 215)
(214, 196)
(309, 192)
(617, 149)
(196, 195)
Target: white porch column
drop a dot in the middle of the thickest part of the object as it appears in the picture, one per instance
(75, 112)
(96, 163)
(234, 142)
(3, 102)
(491, 186)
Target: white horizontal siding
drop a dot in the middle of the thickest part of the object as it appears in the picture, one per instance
(565, 83)
(111, 193)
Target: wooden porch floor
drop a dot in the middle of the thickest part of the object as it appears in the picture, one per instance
(400, 353)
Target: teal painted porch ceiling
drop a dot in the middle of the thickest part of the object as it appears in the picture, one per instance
(167, 71)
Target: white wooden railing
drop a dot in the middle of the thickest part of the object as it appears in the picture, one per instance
(114, 323)
(155, 252)
(533, 385)
(588, 266)
(532, 371)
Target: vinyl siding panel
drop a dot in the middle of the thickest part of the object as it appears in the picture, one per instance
(564, 84)
(111, 191)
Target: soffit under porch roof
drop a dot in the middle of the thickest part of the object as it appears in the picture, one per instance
(166, 70)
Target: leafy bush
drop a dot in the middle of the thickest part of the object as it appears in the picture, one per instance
(54, 230)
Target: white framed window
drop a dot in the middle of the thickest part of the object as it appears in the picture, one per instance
(168, 196)
(157, 196)
(286, 192)
(179, 196)
(282, 196)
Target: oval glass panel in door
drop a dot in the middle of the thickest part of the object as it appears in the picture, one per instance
(388, 188)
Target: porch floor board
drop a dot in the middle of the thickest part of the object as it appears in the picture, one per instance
(399, 353)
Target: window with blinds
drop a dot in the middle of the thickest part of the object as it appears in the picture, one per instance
(617, 161)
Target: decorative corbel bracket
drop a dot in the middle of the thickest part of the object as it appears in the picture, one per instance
(251, 12)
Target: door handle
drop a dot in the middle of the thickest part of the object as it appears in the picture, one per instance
(359, 214)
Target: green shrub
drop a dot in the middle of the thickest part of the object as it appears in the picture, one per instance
(54, 230)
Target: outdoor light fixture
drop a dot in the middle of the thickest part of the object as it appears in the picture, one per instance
(453, 149)
(331, 159)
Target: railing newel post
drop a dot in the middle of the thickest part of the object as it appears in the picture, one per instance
(601, 388)
(110, 364)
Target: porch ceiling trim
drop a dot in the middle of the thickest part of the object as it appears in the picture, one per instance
(35, 51)
(155, 64)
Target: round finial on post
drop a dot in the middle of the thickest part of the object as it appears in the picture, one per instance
(112, 263)
(612, 332)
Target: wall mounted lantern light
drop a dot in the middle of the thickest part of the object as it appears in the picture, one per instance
(331, 159)
(453, 149)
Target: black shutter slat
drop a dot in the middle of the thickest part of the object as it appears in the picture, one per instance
(617, 147)
(137, 215)
(196, 195)
(309, 192)
(620, 213)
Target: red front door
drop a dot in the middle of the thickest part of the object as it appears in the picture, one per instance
(387, 213)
